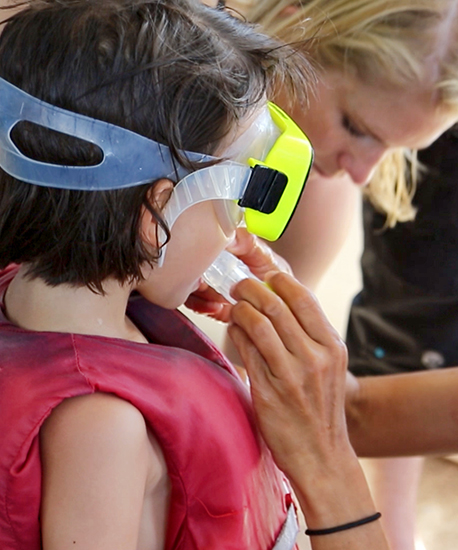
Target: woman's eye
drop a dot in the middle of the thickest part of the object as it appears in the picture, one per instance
(351, 128)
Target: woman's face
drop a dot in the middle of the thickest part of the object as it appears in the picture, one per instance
(352, 124)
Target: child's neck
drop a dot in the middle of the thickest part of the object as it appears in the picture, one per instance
(34, 305)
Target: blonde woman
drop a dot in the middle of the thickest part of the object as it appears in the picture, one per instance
(387, 84)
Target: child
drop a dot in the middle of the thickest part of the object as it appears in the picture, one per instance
(123, 430)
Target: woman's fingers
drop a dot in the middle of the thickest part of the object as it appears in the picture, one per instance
(260, 335)
(251, 358)
(293, 311)
(256, 254)
(207, 301)
(297, 395)
(295, 341)
(305, 307)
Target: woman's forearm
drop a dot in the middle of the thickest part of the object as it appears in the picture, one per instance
(404, 414)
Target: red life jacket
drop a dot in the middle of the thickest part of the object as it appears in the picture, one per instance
(226, 492)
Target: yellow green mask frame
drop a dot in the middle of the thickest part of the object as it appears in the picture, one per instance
(292, 156)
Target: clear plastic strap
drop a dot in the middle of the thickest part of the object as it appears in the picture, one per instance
(129, 159)
(225, 181)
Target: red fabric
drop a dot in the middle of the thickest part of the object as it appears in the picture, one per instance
(226, 491)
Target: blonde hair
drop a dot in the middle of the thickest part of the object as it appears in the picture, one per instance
(374, 40)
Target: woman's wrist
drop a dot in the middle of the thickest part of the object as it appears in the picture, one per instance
(343, 526)
(335, 495)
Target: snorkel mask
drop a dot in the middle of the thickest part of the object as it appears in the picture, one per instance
(266, 190)
(270, 166)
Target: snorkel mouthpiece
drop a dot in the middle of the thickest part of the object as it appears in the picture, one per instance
(226, 271)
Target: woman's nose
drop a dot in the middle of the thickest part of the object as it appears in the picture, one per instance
(360, 165)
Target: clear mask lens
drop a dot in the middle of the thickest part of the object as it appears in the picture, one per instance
(256, 141)
(229, 214)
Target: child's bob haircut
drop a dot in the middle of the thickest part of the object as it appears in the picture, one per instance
(175, 71)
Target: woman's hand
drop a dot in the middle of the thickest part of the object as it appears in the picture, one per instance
(297, 364)
(259, 258)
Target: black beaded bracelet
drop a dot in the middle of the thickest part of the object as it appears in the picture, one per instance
(344, 527)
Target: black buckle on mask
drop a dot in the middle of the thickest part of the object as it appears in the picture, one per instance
(264, 189)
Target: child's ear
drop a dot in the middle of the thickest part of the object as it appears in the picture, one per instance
(158, 196)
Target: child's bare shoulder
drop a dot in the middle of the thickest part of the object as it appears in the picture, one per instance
(99, 459)
(91, 423)
(89, 428)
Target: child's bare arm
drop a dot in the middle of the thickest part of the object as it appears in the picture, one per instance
(297, 365)
(98, 465)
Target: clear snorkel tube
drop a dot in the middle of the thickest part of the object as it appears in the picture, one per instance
(226, 181)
